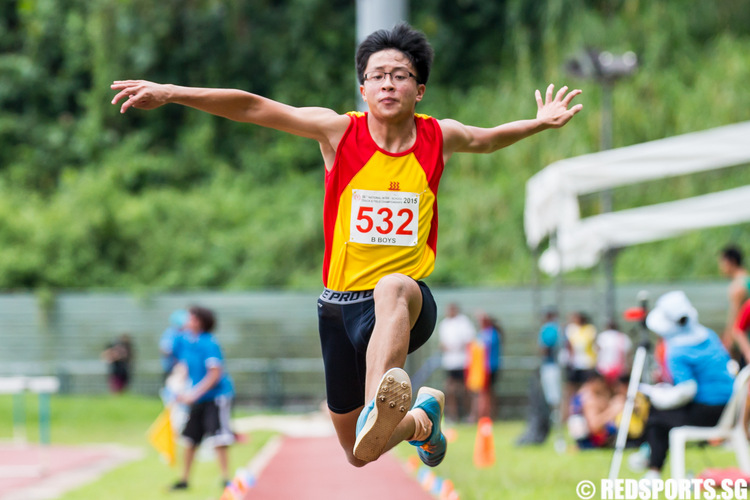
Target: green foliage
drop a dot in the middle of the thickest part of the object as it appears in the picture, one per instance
(173, 198)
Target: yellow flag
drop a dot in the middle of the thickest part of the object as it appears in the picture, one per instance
(476, 377)
(161, 437)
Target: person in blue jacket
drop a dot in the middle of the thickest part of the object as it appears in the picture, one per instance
(701, 371)
(210, 394)
(167, 340)
(491, 337)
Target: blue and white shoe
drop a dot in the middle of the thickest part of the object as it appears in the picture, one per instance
(432, 450)
(379, 418)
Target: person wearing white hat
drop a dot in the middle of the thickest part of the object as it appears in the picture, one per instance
(701, 373)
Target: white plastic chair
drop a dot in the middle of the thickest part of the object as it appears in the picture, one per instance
(729, 427)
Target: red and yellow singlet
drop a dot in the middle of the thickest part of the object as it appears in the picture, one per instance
(380, 211)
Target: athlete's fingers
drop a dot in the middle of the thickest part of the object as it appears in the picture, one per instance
(120, 95)
(572, 111)
(570, 96)
(538, 96)
(125, 82)
(550, 89)
(561, 92)
(130, 101)
(125, 105)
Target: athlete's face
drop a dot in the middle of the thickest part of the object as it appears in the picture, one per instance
(725, 266)
(390, 97)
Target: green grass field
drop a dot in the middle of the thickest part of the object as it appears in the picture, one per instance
(124, 420)
(539, 472)
(519, 473)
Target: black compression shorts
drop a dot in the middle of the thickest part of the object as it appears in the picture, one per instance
(345, 324)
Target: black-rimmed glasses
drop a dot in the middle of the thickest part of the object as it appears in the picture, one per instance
(397, 76)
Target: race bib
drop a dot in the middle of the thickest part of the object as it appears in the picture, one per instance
(384, 218)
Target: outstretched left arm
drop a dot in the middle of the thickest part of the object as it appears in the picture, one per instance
(552, 112)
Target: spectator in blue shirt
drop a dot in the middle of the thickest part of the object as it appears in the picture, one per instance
(549, 371)
(549, 336)
(210, 395)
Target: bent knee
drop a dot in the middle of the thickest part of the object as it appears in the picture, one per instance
(398, 286)
(391, 284)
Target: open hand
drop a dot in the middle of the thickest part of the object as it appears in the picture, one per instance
(140, 94)
(554, 112)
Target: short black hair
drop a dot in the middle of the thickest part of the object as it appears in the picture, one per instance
(733, 254)
(412, 43)
(206, 318)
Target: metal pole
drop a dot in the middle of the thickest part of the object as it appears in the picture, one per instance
(606, 68)
(558, 424)
(608, 259)
(605, 140)
(536, 284)
(373, 15)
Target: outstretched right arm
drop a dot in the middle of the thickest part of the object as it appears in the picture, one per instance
(321, 124)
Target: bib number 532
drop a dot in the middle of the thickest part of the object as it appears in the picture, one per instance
(384, 218)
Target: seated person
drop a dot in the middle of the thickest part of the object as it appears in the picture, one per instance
(594, 410)
(699, 366)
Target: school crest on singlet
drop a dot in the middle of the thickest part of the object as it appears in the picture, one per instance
(380, 212)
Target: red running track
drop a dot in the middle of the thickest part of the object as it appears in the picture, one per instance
(29, 472)
(316, 468)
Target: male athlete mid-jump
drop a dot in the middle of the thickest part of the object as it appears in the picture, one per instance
(382, 170)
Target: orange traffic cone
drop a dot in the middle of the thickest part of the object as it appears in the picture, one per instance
(413, 463)
(484, 446)
(446, 490)
(229, 494)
